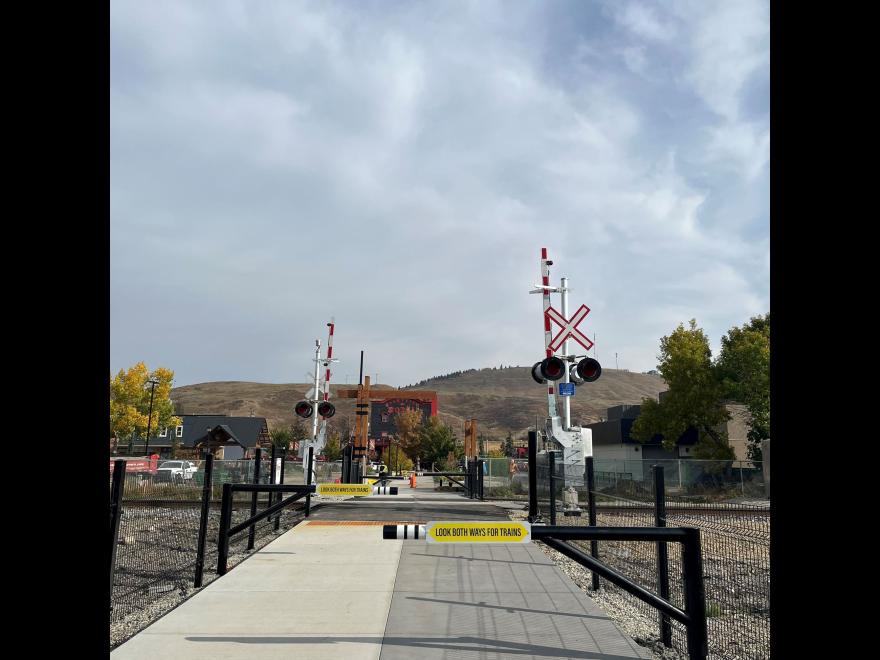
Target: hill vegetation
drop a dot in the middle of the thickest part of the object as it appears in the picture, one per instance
(503, 400)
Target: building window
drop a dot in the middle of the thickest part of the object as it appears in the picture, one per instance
(163, 433)
(179, 431)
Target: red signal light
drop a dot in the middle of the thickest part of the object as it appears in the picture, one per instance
(303, 409)
(326, 409)
(552, 368)
(589, 369)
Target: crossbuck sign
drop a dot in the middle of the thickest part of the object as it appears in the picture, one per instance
(569, 328)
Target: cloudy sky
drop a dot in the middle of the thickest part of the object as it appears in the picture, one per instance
(399, 165)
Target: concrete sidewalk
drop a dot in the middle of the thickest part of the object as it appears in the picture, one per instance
(335, 589)
(318, 591)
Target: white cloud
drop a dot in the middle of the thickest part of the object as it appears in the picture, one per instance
(410, 165)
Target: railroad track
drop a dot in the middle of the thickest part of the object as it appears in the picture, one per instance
(182, 504)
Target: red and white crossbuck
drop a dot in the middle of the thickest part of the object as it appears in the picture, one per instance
(569, 328)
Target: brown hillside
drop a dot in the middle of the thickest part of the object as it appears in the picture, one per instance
(501, 400)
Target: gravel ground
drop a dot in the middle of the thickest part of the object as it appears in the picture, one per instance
(736, 574)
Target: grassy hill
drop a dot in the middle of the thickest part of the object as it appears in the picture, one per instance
(501, 400)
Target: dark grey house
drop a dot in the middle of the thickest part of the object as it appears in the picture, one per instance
(231, 437)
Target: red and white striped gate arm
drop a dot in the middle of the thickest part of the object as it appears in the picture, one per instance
(548, 337)
(327, 363)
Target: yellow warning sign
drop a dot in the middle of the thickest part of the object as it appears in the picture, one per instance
(478, 532)
(345, 490)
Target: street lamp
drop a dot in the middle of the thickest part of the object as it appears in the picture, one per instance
(153, 382)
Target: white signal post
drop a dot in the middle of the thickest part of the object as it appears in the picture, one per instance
(316, 391)
(576, 442)
(320, 392)
(566, 406)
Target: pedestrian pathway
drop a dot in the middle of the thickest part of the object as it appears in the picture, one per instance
(333, 588)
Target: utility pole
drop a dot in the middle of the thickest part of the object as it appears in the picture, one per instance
(153, 382)
(616, 366)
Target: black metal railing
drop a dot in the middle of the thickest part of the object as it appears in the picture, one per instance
(693, 617)
(227, 530)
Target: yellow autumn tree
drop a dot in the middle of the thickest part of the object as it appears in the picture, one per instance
(130, 402)
(409, 424)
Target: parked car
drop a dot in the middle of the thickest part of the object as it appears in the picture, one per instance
(176, 471)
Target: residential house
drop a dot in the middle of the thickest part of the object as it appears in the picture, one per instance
(230, 437)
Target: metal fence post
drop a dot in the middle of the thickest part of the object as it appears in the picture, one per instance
(253, 528)
(223, 536)
(207, 491)
(473, 481)
(662, 558)
(272, 470)
(533, 476)
(280, 496)
(481, 467)
(309, 480)
(551, 465)
(591, 513)
(115, 515)
(694, 594)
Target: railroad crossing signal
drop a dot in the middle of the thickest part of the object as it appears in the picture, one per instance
(304, 409)
(569, 328)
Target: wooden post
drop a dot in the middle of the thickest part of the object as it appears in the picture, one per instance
(361, 441)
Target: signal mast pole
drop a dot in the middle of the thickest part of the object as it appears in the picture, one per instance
(316, 393)
(567, 399)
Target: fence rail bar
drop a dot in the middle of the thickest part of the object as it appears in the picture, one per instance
(270, 488)
(115, 515)
(265, 513)
(203, 520)
(674, 534)
(616, 578)
(226, 531)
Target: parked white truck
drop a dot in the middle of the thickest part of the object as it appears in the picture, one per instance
(176, 471)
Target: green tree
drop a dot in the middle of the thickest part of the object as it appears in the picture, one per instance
(743, 368)
(694, 396)
(436, 440)
(507, 446)
(333, 448)
(130, 402)
(299, 431)
(281, 437)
